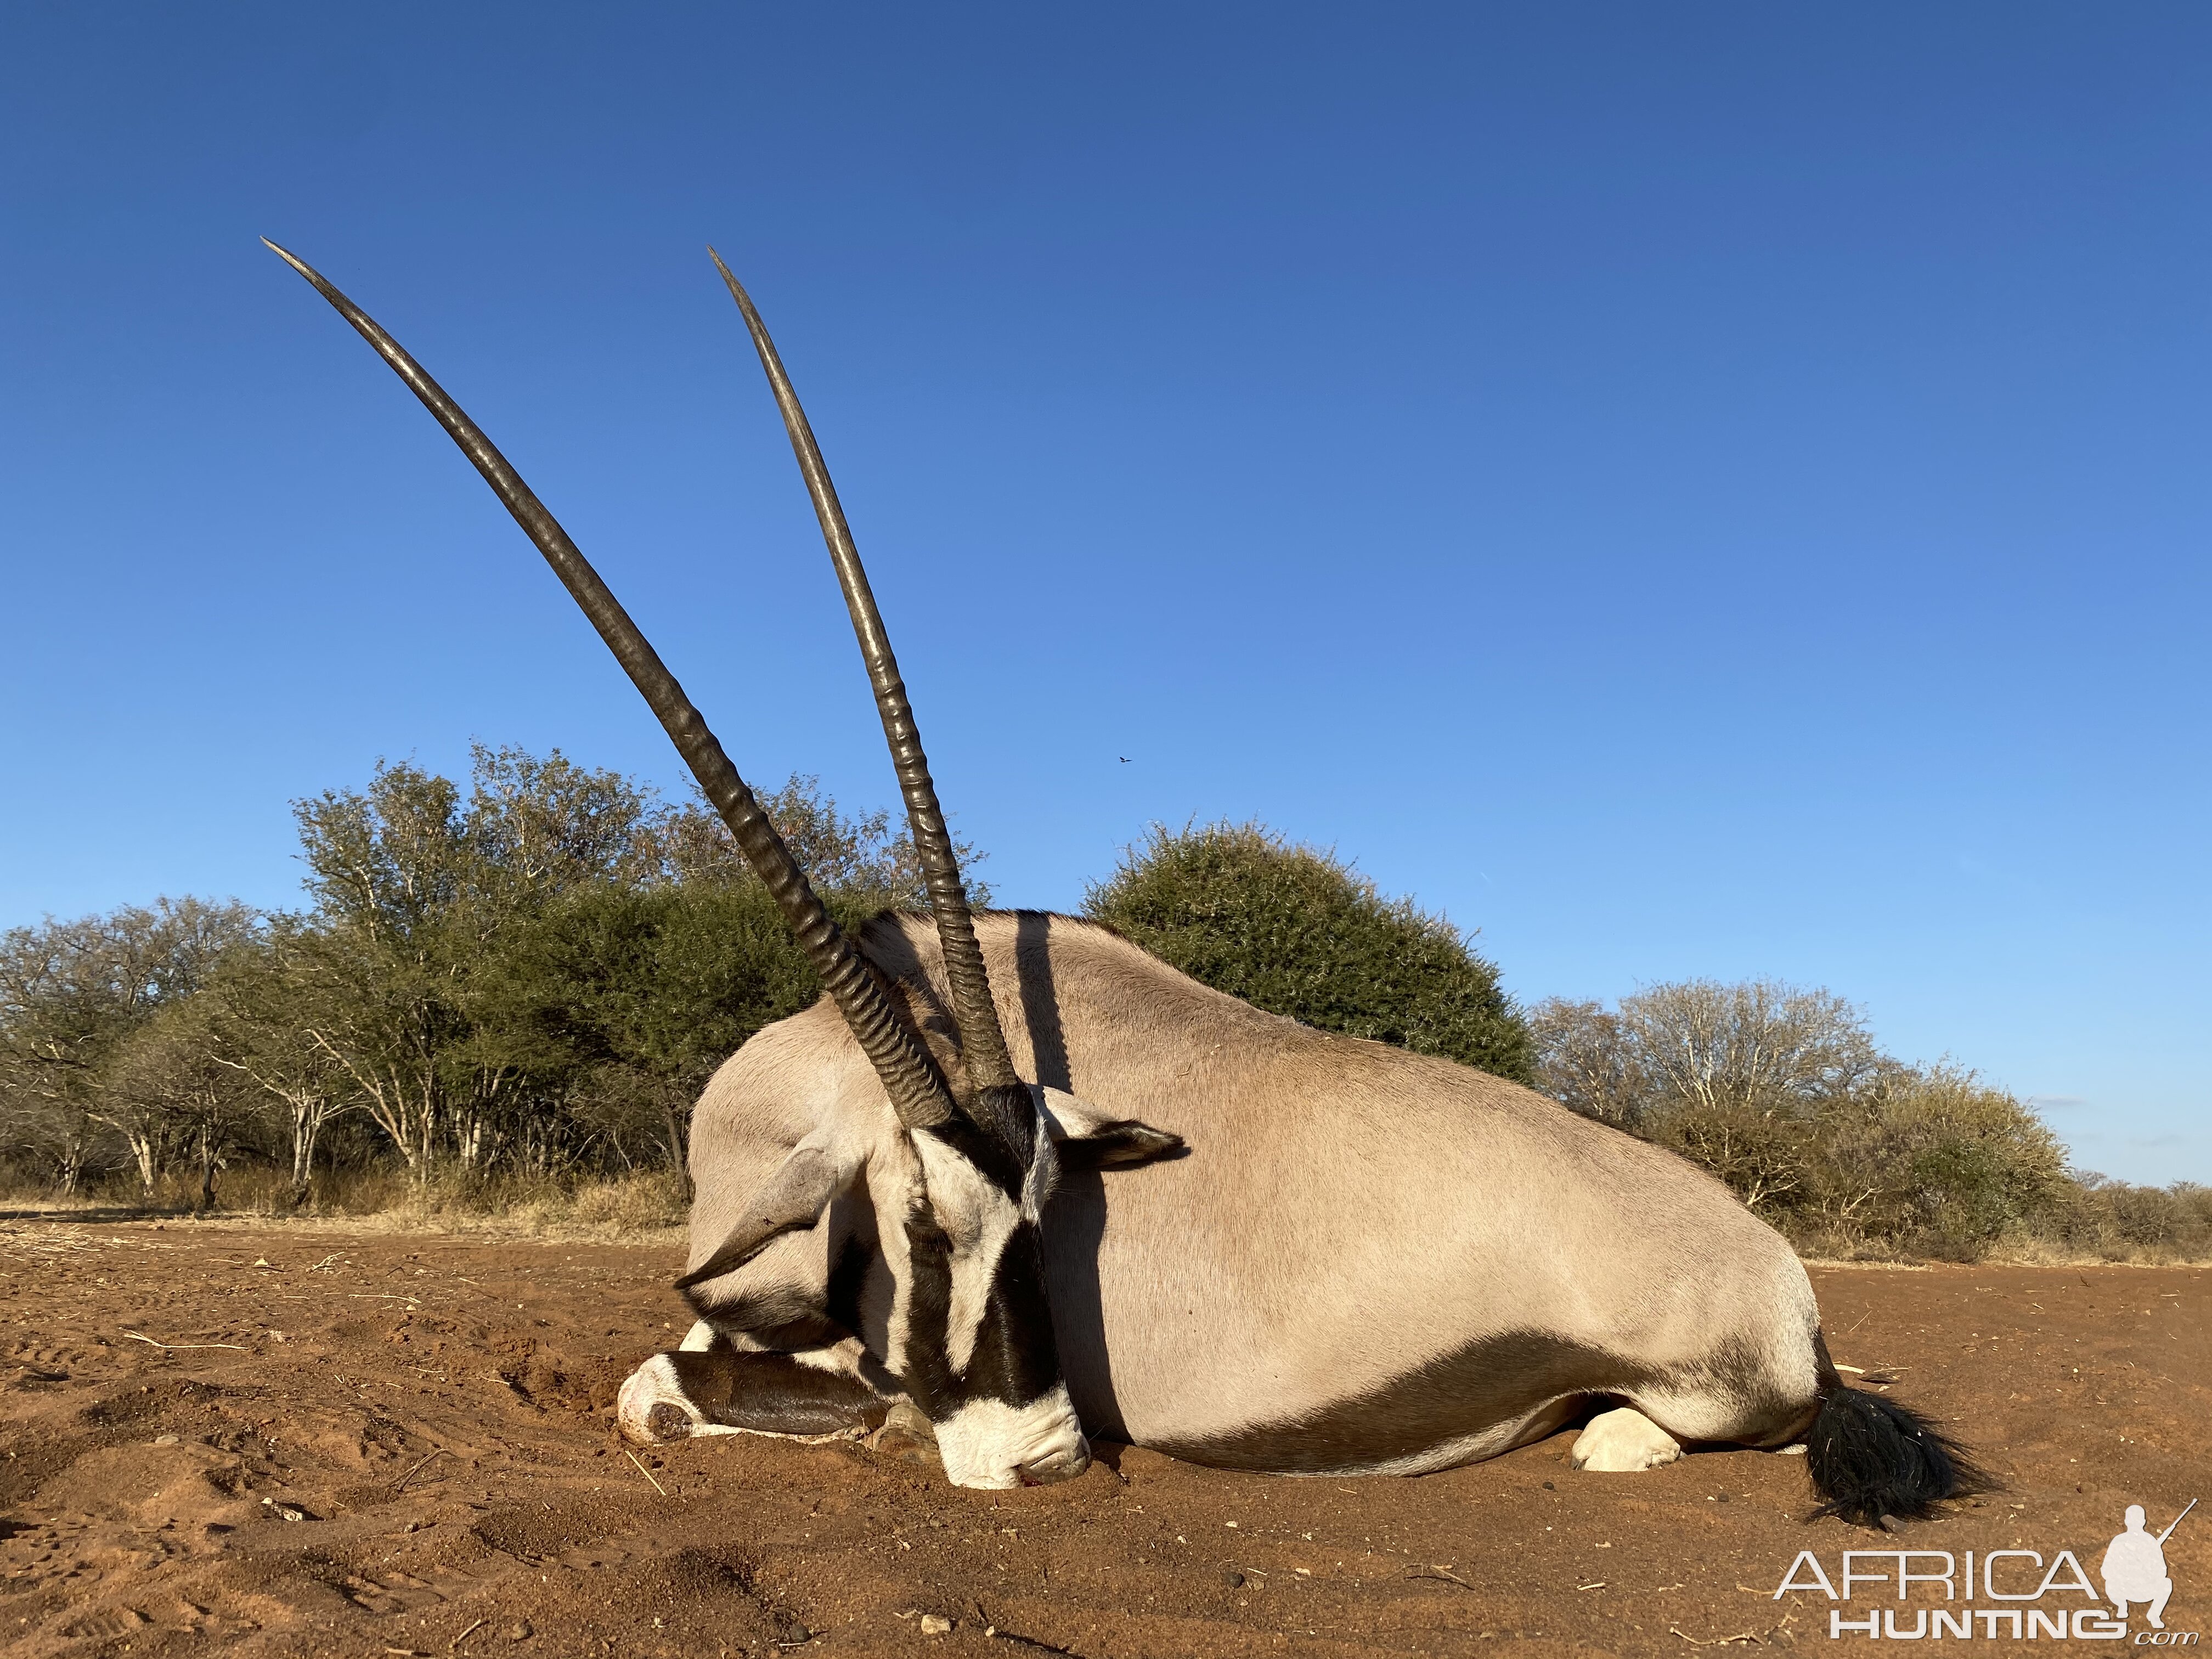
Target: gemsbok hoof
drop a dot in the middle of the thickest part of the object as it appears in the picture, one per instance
(651, 1409)
(1623, 1442)
(907, 1436)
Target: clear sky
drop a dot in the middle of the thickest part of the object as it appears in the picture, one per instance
(1688, 490)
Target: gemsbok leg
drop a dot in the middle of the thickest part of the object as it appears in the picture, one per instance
(1622, 1441)
(716, 1384)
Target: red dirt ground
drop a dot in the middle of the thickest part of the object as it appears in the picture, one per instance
(433, 1408)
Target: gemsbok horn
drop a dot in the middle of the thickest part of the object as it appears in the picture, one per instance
(1001, 1105)
(977, 1350)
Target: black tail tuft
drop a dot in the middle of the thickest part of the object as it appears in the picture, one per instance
(1870, 1459)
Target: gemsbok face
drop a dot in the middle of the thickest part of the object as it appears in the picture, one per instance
(935, 1230)
(961, 1174)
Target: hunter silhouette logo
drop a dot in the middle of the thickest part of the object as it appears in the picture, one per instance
(2032, 1599)
(2134, 1567)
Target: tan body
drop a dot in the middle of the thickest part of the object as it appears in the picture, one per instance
(1368, 1259)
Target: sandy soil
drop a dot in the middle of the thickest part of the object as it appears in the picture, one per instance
(373, 1445)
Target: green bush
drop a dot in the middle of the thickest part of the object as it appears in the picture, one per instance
(505, 986)
(1934, 1162)
(1296, 932)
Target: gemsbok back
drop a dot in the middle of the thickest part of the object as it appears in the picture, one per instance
(1012, 1177)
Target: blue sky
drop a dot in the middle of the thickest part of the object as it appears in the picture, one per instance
(1714, 490)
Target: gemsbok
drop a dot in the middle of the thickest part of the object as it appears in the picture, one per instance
(1012, 1178)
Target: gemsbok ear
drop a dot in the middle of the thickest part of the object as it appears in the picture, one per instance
(1102, 1140)
(790, 1201)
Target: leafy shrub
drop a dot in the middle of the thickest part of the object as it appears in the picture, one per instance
(2113, 1219)
(500, 986)
(1783, 1095)
(1933, 1161)
(1296, 932)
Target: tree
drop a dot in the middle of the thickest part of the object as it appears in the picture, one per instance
(72, 993)
(1734, 1077)
(1783, 1094)
(1937, 1159)
(1585, 1060)
(416, 889)
(551, 960)
(52, 1133)
(258, 1022)
(858, 857)
(166, 1088)
(624, 1000)
(1759, 1044)
(1294, 931)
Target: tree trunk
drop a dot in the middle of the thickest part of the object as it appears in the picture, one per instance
(678, 1154)
(207, 1170)
(306, 1119)
(142, 1154)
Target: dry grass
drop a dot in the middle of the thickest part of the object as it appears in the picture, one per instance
(645, 1206)
(650, 1207)
(2087, 1220)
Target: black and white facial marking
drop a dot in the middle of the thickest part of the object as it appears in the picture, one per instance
(977, 1350)
(935, 1292)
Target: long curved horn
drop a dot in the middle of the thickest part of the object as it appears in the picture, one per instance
(1002, 1105)
(909, 1075)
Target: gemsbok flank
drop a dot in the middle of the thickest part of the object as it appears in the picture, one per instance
(935, 1205)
